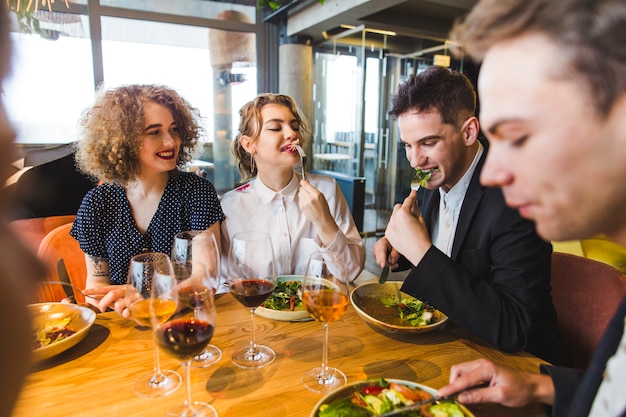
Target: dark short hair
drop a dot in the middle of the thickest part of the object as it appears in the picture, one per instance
(450, 93)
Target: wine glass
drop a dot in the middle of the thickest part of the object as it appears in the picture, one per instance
(251, 279)
(325, 296)
(188, 331)
(149, 286)
(199, 245)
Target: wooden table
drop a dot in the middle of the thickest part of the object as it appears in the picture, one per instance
(96, 377)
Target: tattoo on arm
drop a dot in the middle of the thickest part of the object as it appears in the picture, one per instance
(100, 266)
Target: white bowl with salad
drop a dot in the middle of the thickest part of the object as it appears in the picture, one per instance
(386, 308)
(285, 303)
(378, 396)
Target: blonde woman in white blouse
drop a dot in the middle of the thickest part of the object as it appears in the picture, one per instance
(302, 216)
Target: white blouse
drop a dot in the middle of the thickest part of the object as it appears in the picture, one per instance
(255, 207)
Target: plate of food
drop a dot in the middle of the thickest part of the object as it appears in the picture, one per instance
(58, 326)
(385, 307)
(378, 396)
(285, 303)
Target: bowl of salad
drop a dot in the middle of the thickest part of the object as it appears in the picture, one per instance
(58, 326)
(285, 302)
(386, 308)
(378, 396)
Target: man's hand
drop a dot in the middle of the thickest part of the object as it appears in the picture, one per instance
(406, 231)
(384, 253)
(507, 386)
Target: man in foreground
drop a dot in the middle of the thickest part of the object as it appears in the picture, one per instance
(553, 105)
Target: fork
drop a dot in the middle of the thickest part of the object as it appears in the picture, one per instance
(73, 287)
(302, 158)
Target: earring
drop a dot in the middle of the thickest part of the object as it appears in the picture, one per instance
(252, 167)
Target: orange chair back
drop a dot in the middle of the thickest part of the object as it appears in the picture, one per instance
(33, 230)
(586, 295)
(58, 244)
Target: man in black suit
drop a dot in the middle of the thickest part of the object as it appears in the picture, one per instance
(470, 255)
(552, 86)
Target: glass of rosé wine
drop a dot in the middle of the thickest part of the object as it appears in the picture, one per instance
(325, 296)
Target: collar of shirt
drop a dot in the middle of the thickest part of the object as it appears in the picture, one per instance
(267, 195)
(454, 198)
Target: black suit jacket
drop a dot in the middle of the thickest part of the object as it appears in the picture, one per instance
(574, 390)
(496, 284)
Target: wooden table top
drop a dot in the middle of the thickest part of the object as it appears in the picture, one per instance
(96, 377)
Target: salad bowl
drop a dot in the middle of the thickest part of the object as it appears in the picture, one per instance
(334, 404)
(378, 305)
(67, 323)
(277, 306)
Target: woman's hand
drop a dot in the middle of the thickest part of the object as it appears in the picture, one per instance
(315, 207)
(507, 386)
(112, 296)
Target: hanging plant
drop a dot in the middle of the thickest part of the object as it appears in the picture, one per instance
(25, 11)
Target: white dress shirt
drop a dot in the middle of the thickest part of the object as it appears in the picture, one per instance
(444, 226)
(255, 207)
(610, 400)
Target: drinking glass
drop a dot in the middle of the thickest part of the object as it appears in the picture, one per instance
(251, 279)
(188, 331)
(149, 286)
(325, 296)
(199, 245)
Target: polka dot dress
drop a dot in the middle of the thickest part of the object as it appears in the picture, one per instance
(105, 228)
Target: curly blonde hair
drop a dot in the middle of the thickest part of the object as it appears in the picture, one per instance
(113, 127)
(250, 123)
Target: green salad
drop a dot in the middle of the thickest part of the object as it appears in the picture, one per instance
(421, 176)
(411, 310)
(381, 396)
(287, 295)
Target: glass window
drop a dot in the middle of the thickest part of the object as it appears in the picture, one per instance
(51, 81)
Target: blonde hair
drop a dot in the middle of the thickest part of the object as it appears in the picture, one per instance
(250, 123)
(113, 127)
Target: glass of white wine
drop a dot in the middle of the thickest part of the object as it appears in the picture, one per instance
(325, 296)
(151, 286)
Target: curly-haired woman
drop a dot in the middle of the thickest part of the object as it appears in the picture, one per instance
(302, 216)
(135, 139)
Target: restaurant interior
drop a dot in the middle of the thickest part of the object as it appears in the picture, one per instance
(341, 60)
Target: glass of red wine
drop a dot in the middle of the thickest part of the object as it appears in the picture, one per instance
(198, 245)
(151, 286)
(188, 331)
(251, 278)
(325, 295)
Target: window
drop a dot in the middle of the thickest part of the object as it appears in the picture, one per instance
(54, 75)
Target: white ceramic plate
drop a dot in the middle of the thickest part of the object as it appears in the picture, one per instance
(284, 315)
(81, 320)
(348, 390)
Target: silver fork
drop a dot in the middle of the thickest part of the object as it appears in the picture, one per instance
(302, 158)
(73, 287)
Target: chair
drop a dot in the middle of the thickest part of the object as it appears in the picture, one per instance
(586, 294)
(58, 244)
(33, 230)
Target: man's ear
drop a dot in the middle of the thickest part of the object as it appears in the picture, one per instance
(471, 130)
